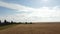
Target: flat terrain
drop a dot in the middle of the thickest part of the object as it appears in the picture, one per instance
(2, 27)
(33, 29)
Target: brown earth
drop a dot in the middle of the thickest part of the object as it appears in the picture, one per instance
(33, 29)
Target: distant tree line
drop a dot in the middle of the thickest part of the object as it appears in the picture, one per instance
(7, 23)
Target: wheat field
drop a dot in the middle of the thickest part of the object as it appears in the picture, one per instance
(38, 28)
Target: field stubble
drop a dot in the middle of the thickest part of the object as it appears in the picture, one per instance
(33, 29)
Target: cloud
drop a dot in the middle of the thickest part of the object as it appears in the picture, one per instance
(15, 17)
(37, 14)
(15, 6)
(44, 0)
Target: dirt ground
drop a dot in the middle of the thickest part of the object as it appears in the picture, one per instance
(33, 29)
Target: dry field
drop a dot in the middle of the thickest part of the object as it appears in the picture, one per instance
(33, 29)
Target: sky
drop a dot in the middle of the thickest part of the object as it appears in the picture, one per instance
(30, 10)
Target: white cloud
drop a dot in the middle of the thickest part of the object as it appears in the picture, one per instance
(37, 14)
(45, 0)
(15, 6)
(15, 17)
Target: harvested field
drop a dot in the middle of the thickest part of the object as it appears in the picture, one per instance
(33, 29)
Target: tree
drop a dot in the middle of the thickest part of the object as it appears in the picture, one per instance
(5, 22)
(30, 22)
(25, 22)
(12, 22)
(0, 21)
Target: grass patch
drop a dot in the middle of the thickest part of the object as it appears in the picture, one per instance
(7, 26)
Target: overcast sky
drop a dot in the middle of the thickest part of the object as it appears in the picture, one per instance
(30, 10)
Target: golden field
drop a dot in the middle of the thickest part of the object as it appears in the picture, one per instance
(37, 28)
